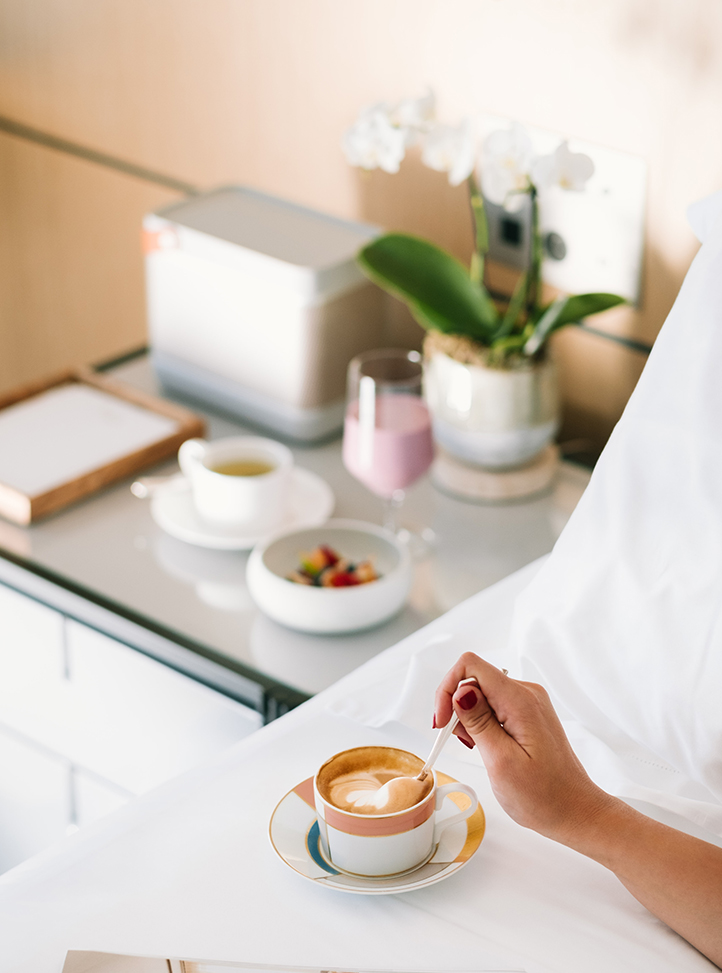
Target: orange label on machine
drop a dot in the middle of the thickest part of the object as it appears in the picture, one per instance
(165, 239)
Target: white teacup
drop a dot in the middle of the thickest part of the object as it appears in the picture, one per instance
(238, 483)
(378, 844)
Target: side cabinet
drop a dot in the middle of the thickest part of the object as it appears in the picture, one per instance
(87, 723)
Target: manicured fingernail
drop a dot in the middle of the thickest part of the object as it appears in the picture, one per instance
(466, 743)
(468, 700)
(433, 724)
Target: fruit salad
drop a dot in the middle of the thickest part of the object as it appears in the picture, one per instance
(325, 568)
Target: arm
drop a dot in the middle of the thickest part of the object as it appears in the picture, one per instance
(539, 781)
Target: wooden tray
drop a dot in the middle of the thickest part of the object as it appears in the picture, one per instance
(63, 438)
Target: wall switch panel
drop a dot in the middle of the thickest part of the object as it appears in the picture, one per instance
(593, 239)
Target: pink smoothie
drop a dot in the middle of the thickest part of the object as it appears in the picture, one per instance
(401, 448)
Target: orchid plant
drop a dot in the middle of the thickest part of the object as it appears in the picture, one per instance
(441, 293)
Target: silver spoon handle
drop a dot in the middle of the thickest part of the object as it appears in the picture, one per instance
(441, 738)
(443, 735)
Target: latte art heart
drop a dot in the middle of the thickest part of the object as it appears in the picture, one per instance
(379, 791)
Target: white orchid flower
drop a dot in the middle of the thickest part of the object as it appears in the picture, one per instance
(506, 162)
(374, 142)
(570, 170)
(414, 115)
(449, 149)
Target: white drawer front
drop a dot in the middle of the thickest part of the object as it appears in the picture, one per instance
(149, 723)
(31, 644)
(103, 706)
(32, 664)
(35, 803)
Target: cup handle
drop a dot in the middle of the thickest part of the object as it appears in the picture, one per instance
(190, 455)
(443, 792)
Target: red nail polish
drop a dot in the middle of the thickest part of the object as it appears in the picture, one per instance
(466, 743)
(433, 724)
(468, 700)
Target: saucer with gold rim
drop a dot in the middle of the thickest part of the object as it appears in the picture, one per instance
(295, 838)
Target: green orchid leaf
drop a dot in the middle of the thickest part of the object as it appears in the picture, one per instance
(582, 305)
(568, 310)
(436, 287)
(547, 323)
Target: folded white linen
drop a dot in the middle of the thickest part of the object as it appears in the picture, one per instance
(401, 690)
(623, 624)
(397, 696)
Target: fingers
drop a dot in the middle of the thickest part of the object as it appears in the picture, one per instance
(471, 703)
(462, 735)
(488, 677)
(443, 707)
(480, 722)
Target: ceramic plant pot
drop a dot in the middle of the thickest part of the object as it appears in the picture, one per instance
(494, 418)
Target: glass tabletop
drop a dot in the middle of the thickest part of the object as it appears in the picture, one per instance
(109, 548)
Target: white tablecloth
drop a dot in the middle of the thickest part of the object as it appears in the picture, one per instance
(188, 870)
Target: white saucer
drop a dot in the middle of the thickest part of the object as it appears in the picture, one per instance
(171, 507)
(295, 838)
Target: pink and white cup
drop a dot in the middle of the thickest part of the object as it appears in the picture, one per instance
(383, 844)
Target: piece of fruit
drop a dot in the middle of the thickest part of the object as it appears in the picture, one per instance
(343, 579)
(323, 567)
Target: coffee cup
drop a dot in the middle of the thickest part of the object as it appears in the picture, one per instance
(238, 483)
(380, 843)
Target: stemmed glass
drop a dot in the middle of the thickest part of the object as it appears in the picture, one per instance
(387, 442)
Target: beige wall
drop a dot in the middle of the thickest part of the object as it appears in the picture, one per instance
(71, 271)
(259, 92)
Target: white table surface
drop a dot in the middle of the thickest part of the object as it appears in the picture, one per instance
(109, 546)
(188, 870)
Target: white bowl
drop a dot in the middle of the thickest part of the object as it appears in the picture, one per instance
(326, 610)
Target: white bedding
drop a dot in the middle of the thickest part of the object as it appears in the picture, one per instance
(624, 622)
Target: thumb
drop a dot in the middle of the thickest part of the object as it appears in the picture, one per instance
(479, 719)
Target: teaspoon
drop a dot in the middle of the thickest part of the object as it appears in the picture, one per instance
(407, 791)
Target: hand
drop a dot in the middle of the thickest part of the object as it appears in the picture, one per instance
(541, 784)
(534, 773)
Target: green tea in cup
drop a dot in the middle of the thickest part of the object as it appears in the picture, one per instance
(242, 467)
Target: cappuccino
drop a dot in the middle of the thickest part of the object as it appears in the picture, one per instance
(351, 780)
(360, 832)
